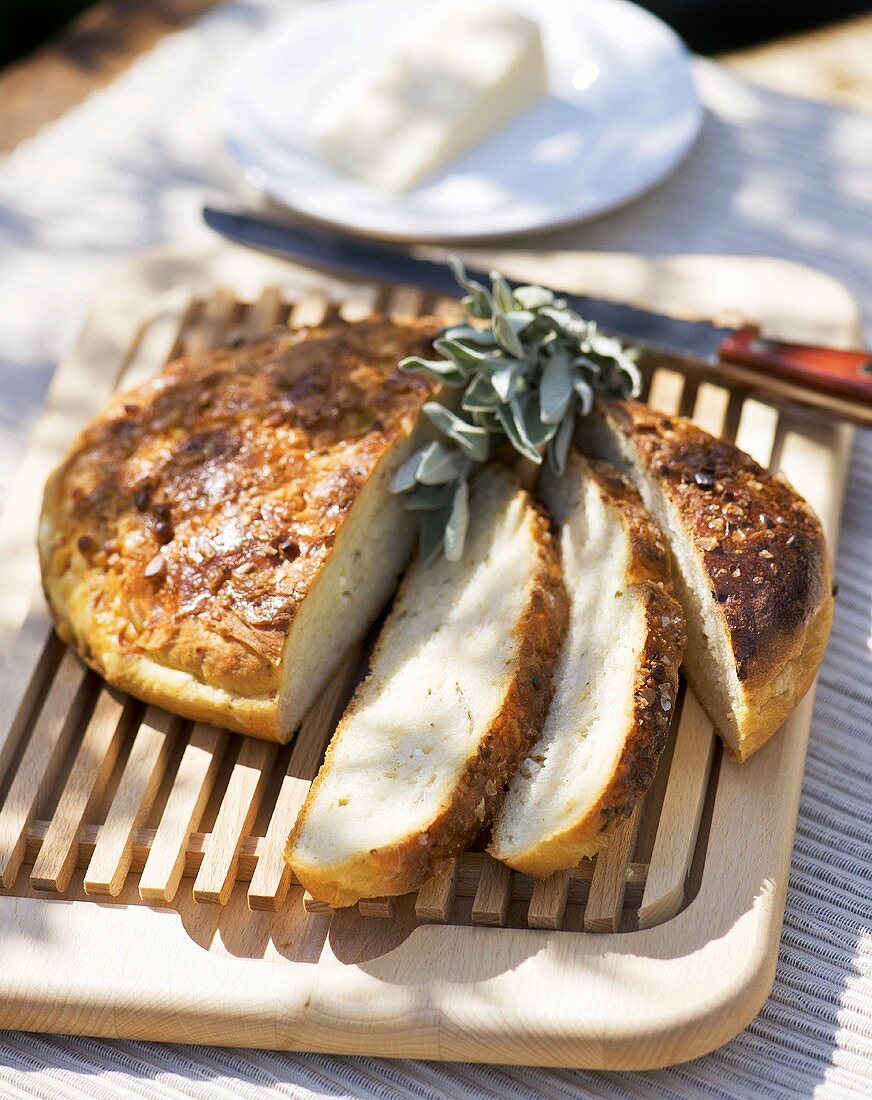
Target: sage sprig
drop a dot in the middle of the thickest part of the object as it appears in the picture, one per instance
(527, 371)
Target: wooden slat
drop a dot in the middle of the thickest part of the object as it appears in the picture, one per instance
(359, 301)
(24, 673)
(65, 706)
(264, 314)
(190, 792)
(95, 759)
(758, 426)
(210, 328)
(468, 866)
(269, 885)
(140, 781)
(667, 387)
(688, 395)
(710, 410)
(159, 341)
(471, 864)
(143, 842)
(217, 875)
(190, 314)
(493, 894)
(376, 907)
(811, 463)
(548, 903)
(605, 901)
(309, 309)
(680, 815)
(449, 308)
(405, 302)
(312, 905)
(436, 896)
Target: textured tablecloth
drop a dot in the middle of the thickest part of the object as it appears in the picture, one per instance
(770, 175)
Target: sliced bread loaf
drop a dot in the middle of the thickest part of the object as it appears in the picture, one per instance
(751, 565)
(615, 681)
(458, 690)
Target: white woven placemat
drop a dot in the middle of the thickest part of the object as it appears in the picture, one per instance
(771, 175)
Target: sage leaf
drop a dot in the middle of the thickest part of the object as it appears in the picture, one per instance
(458, 523)
(558, 448)
(406, 475)
(506, 379)
(555, 388)
(495, 362)
(520, 319)
(505, 335)
(440, 463)
(584, 393)
(432, 537)
(470, 335)
(533, 297)
(512, 420)
(466, 357)
(439, 370)
(458, 270)
(488, 420)
(525, 377)
(427, 498)
(568, 322)
(472, 440)
(503, 297)
(479, 305)
(536, 430)
(480, 395)
(586, 365)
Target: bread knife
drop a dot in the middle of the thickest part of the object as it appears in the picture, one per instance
(828, 378)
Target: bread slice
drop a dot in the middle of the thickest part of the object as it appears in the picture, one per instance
(615, 681)
(751, 566)
(216, 539)
(459, 687)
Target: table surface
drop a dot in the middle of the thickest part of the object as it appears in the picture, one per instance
(129, 168)
(832, 64)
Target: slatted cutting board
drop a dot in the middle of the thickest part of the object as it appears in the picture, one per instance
(167, 835)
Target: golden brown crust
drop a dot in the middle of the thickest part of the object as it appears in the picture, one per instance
(189, 520)
(764, 551)
(400, 868)
(774, 704)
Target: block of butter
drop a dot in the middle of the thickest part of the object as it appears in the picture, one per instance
(462, 73)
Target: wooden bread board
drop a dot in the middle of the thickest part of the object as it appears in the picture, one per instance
(143, 891)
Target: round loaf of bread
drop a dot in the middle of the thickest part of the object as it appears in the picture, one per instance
(216, 539)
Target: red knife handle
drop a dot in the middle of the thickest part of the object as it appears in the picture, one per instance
(827, 371)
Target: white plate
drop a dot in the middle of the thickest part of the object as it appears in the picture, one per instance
(620, 114)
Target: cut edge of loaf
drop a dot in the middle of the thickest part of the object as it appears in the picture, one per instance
(610, 729)
(745, 710)
(372, 548)
(476, 791)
